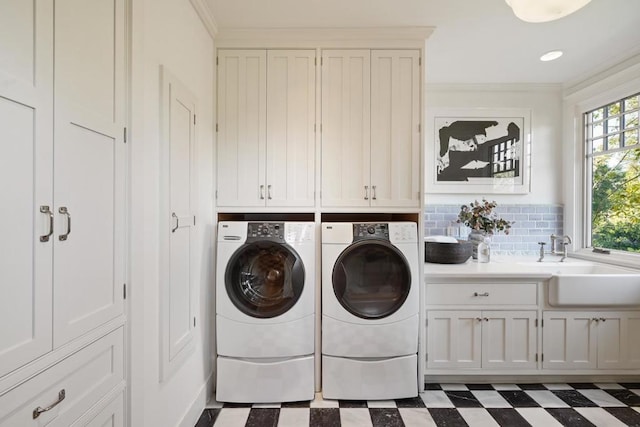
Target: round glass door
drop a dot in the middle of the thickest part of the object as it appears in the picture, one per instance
(264, 279)
(371, 279)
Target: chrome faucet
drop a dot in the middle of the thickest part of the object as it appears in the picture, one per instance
(541, 251)
(566, 241)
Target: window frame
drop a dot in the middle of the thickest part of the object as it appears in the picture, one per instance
(579, 99)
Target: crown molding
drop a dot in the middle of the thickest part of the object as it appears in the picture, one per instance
(206, 16)
(494, 87)
(325, 37)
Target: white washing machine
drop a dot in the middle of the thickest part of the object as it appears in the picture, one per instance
(265, 310)
(370, 304)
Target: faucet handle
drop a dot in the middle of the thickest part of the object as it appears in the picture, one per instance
(542, 243)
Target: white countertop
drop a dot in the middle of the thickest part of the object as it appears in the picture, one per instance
(503, 267)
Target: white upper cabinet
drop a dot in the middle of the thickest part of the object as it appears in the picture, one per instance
(242, 96)
(370, 128)
(395, 136)
(266, 118)
(26, 165)
(291, 109)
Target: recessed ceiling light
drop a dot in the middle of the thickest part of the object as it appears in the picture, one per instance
(550, 56)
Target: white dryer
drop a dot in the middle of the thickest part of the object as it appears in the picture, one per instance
(370, 304)
(265, 310)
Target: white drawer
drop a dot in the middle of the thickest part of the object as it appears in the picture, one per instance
(481, 294)
(86, 377)
(110, 414)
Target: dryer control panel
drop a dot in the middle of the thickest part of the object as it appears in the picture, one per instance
(370, 230)
(273, 231)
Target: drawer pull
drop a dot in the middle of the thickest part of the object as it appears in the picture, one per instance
(486, 294)
(39, 410)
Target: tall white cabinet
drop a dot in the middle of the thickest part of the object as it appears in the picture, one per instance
(371, 128)
(266, 135)
(62, 273)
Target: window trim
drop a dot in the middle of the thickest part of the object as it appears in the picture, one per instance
(591, 94)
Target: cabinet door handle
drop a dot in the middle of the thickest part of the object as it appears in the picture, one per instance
(595, 319)
(486, 294)
(486, 319)
(39, 410)
(479, 319)
(64, 211)
(366, 192)
(261, 192)
(373, 197)
(269, 192)
(173, 215)
(45, 209)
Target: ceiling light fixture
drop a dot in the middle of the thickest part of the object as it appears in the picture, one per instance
(544, 10)
(550, 56)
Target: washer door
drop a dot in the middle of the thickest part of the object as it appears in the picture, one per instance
(371, 279)
(264, 279)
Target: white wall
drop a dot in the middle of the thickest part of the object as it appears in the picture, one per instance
(167, 32)
(545, 103)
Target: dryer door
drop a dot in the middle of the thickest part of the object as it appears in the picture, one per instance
(264, 279)
(371, 279)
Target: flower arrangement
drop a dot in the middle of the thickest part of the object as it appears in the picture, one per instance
(480, 217)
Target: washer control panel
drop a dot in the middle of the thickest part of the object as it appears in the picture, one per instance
(370, 230)
(273, 231)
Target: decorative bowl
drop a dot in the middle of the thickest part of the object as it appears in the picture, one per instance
(447, 253)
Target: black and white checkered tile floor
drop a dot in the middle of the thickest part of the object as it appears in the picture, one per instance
(450, 405)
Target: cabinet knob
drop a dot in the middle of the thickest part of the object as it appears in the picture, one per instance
(479, 319)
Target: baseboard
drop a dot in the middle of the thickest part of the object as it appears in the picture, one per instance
(195, 410)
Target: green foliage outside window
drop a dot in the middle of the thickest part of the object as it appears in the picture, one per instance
(615, 197)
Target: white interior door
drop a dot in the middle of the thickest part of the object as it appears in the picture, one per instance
(241, 125)
(26, 123)
(395, 136)
(346, 129)
(177, 232)
(291, 107)
(89, 160)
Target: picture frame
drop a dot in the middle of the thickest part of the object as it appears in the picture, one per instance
(478, 151)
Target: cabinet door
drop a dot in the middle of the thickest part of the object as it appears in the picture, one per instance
(569, 340)
(453, 339)
(178, 204)
(291, 107)
(618, 340)
(26, 120)
(346, 128)
(89, 161)
(395, 137)
(509, 339)
(241, 145)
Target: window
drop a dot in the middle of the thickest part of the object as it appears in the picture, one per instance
(613, 172)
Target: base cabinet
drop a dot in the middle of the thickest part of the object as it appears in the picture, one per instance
(591, 340)
(63, 393)
(488, 339)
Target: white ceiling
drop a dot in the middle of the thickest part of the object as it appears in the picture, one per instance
(475, 41)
